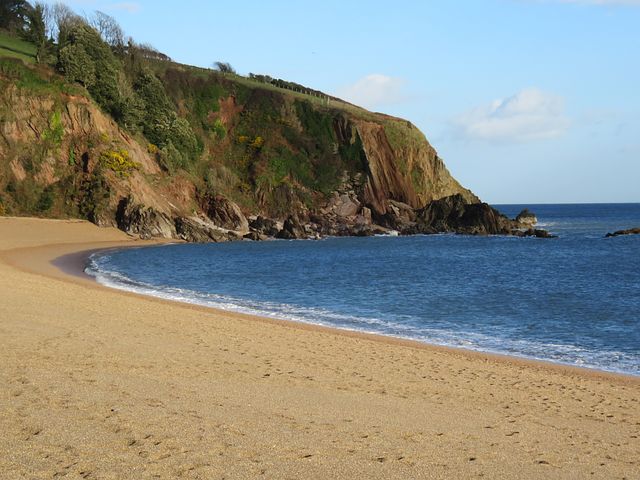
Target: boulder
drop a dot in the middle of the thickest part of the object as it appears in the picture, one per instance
(136, 219)
(365, 213)
(225, 213)
(292, 229)
(255, 236)
(343, 205)
(399, 216)
(264, 226)
(194, 229)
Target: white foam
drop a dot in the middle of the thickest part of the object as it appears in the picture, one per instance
(614, 361)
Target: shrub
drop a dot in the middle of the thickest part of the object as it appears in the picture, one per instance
(284, 164)
(93, 196)
(317, 125)
(72, 156)
(162, 126)
(219, 129)
(203, 97)
(183, 138)
(171, 158)
(119, 162)
(45, 200)
(55, 132)
(128, 111)
(257, 143)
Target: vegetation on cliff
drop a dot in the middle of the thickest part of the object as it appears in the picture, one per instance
(89, 120)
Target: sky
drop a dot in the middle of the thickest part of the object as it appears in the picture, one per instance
(527, 101)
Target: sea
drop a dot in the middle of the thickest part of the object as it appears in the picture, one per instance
(574, 299)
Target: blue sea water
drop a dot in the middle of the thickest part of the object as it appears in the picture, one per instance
(574, 299)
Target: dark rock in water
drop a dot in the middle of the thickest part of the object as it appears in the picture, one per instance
(533, 232)
(144, 221)
(630, 231)
(292, 229)
(525, 217)
(224, 213)
(264, 226)
(455, 214)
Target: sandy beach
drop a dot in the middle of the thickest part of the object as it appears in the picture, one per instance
(102, 384)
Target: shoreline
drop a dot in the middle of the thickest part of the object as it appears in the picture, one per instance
(106, 383)
(75, 263)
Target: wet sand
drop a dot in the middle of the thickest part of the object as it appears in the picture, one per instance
(98, 383)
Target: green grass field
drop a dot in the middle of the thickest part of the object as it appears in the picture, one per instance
(11, 46)
(161, 66)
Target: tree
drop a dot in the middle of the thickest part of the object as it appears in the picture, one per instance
(161, 125)
(109, 29)
(36, 31)
(61, 18)
(224, 67)
(83, 57)
(12, 13)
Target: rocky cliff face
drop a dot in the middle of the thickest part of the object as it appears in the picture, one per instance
(55, 161)
(270, 163)
(409, 171)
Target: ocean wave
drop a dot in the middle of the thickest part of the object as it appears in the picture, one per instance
(405, 327)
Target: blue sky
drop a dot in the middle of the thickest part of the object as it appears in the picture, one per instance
(528, 101)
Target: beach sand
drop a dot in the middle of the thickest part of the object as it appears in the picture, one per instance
(102, 384)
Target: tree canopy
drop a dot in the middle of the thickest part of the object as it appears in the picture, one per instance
(12, 14)
(36, 31)
(224, 67)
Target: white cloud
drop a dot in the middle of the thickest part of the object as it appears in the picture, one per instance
(528, 115)
(374, 91)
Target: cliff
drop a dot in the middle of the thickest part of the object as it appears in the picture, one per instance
(211, 157)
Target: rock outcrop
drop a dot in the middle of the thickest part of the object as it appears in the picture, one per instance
(630, 231)
(454, 214)
(533, 232)
(147, 222)
(265, 227)
(525, 217)
(292, 229)
(225, 213)
(199, 230)
(409, 172)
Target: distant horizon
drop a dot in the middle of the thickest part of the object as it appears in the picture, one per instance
(517, 111)
(561, 203)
